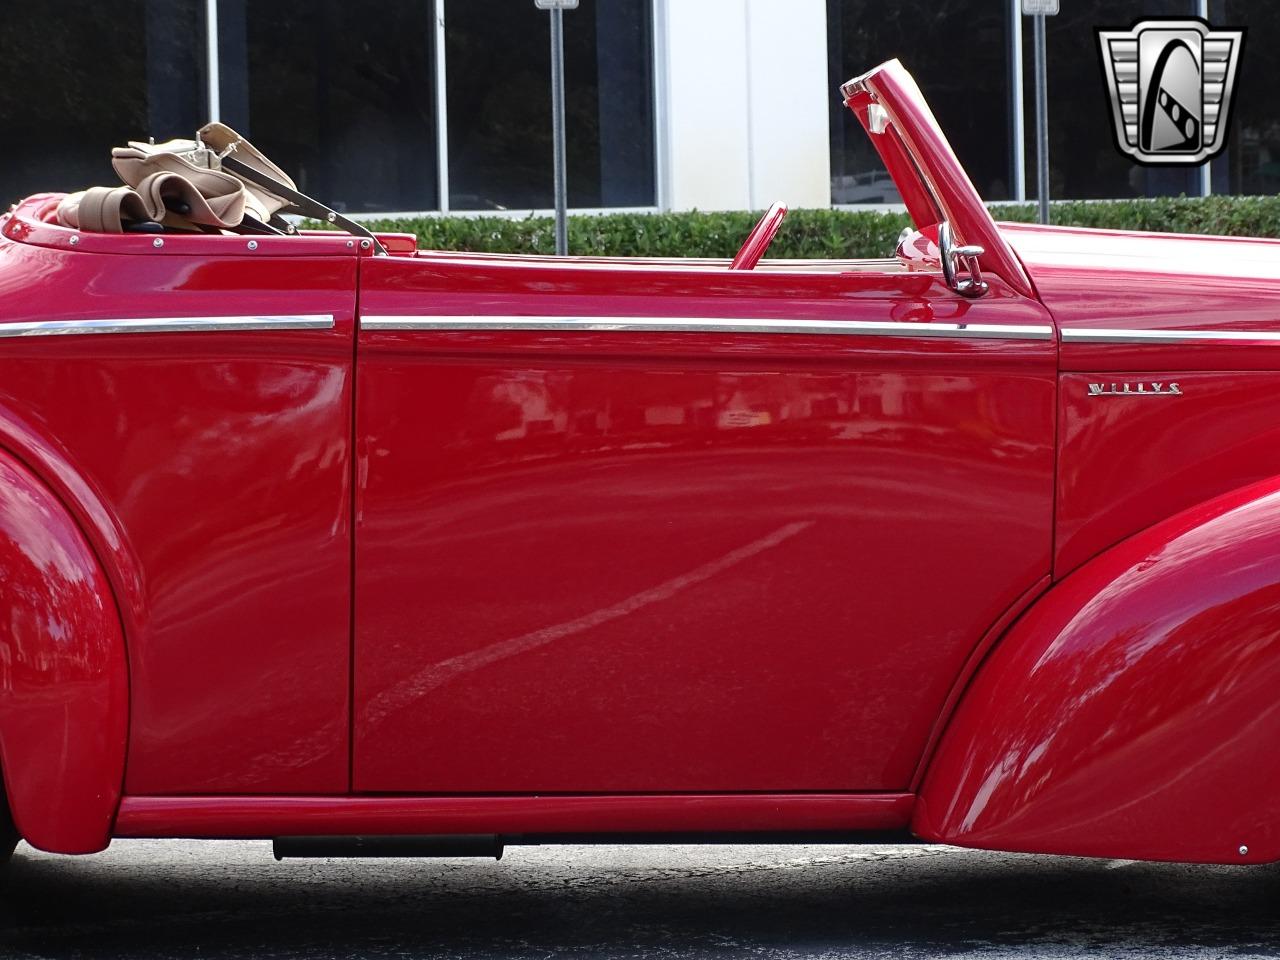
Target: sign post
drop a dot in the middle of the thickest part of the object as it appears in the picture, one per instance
(557, 9)
(1038, 10)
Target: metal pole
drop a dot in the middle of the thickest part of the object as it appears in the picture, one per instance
(1042, 121)
(557, 131)
(211, 60)
(661, 109)
(1205, 173)
(442, 113)
(1017, 129)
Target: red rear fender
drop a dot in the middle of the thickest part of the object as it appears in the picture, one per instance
(63, 678)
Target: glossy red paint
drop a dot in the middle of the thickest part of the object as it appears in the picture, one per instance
(920, 203)
(218, 817)
(1221, 433)
(762, 234)
(211, 472)
(646, 580)
(923, 165)
(64, 700)
(976, 657)
(1129, 712)
(1218, 434)
(597, 562)
(1099, 279)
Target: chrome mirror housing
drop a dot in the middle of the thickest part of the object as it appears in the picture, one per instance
(954, 259)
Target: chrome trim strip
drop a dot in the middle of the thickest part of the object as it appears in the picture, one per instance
(967, 331)
(52, 328)
(1166, 336)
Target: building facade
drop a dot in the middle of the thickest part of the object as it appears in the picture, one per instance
(383, 106)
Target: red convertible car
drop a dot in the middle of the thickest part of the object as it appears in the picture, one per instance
(367, 549)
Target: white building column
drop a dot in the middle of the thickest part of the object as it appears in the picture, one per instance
(789, 104)
(743, 104)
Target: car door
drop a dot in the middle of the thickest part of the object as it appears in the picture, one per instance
(189, 397)
(642, 527)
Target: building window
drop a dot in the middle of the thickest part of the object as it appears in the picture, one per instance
(958, 53)
(499, 104)
(79, 77)
(1251, 162)
(1083, 160)
(341, 98)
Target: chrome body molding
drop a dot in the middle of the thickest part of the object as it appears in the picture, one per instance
(1167, 336)
(52, 328)
(864, 328)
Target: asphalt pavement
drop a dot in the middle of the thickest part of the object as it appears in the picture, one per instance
(170, 899)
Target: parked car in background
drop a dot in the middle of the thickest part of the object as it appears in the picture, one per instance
(369, 549)
(874, 187)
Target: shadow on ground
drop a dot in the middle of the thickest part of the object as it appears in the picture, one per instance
(162, 899)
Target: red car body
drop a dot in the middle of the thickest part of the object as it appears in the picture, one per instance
(303, 541)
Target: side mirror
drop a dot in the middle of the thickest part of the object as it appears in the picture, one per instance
(956, 259)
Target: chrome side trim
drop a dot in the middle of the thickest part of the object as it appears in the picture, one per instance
(53, 328)
(864, 328)
(1166, 336)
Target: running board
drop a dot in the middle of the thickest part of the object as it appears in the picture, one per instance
(599, 816)
(492, 845)
(462, 845)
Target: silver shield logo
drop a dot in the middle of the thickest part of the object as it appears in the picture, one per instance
(1171, 83)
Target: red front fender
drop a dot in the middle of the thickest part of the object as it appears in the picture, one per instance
(63, 675)
(1134, 711)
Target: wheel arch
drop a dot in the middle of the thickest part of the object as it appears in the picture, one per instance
(63, 672)
(1132, 710)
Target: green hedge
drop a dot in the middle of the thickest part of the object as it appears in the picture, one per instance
(815, 233)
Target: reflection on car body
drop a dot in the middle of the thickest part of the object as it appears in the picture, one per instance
(976, 542)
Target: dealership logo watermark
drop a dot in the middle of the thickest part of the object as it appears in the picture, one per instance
(1171, 82)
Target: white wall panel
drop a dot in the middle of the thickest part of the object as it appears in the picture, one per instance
(706, 112)
(743, 103)
(790, 95)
